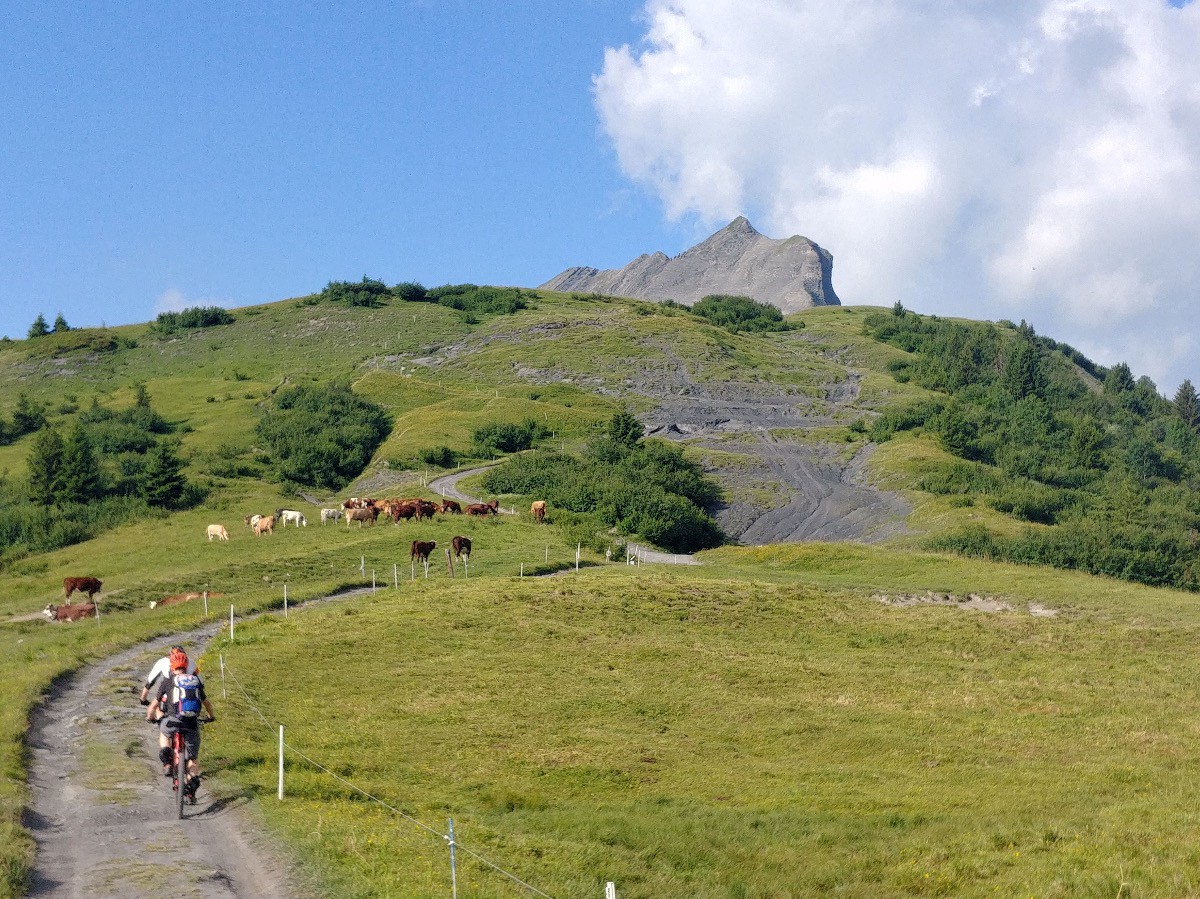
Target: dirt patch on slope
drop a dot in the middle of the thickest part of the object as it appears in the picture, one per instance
(778, 488)
(971, 601)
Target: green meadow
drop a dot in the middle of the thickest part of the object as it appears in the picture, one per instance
(760, 725)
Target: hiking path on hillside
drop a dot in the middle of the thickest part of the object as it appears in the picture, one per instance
(102, 813)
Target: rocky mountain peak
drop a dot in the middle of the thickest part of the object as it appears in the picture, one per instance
(791, 274)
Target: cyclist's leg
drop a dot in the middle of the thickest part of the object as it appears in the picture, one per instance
(165, 753)
(192, 740)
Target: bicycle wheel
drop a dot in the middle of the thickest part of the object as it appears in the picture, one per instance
(180, 775)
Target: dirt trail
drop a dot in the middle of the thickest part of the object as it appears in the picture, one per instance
(103, 815)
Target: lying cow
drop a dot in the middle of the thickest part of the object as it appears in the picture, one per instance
(217, 532)
(88, 585)
(70, 613)
(482, 509)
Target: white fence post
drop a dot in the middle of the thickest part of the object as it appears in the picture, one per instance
(453, 871)
(522, 569)
(395, 576)
(205, 603)
(231, 622)
(224, 695)
(372, 581)
(362, 565)
(577, 547)
(281, 763)
(610, 890)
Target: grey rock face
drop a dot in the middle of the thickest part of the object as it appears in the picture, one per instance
(791, 274)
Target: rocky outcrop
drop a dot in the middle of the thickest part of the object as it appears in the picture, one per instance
(791, 274)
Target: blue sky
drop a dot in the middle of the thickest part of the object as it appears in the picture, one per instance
(206, 154)
(1019, 159)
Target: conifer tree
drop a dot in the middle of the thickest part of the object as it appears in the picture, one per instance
(625, 429)
(163, 482)
(45, 467)
(1119, 379)
(39, 327)
(60, 324)
(28, 416)
(81, 478)
(1022, 374)
(1187, 404)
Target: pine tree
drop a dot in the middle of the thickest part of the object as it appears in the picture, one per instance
(60, 324)
(81, 478)
(1022, 374)
(163, 482)
(45, 467)
(1119, 379)
(28, 416)
(625, 429)
(39, 327)
(1187, 405)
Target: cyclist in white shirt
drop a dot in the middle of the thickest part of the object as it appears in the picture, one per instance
(162, 668)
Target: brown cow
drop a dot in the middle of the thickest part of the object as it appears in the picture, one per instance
(361, 515)
(538, 511)
(401, 508)
(265, 525)
(461, 547)
(88, 585)
(421, 549)
(425, 509)
(481, 509)
(70, 613)
(449, 505)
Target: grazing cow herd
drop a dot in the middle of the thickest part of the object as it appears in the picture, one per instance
(360, 509)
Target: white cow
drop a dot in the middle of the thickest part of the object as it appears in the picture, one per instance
(291, 516)
(218, 532)
(330, 515)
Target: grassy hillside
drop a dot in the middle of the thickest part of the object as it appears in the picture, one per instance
(757, 726)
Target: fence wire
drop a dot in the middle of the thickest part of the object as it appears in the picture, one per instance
(407, 817)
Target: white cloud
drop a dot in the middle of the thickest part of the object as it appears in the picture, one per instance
(1034, 159)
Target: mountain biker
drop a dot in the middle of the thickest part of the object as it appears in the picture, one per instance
(163, 667)
(167, 691)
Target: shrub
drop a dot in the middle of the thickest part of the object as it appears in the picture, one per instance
(480, 300)
(441, 456)
(735, 313)
(192, 317)
(368, 292)
(322, 436)
(507, 438)
(410, 292)
(645, 488)
(903, 418)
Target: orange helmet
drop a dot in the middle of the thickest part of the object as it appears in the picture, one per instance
(177, 659)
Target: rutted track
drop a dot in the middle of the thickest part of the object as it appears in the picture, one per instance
(102, 813)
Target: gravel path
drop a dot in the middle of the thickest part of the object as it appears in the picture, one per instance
(103, 815)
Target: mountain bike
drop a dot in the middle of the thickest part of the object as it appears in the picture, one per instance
(179, 766)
